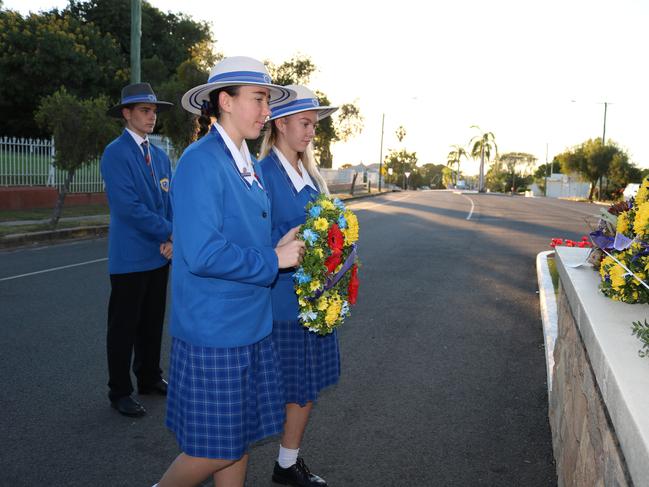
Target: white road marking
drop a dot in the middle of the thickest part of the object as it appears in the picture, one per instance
(53, 269)
(472, 205)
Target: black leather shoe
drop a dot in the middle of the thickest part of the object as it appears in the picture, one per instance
(128, 407)
(159, 387)
(297, 475)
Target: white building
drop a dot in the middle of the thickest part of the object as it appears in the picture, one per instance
(563, 186)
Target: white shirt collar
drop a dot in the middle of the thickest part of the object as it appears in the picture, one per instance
(137, 138)
(298, 181)
(241, 156)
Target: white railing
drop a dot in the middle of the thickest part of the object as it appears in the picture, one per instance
(28, 162)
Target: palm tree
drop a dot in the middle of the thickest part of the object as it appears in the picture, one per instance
(454, 157)
(483, 145)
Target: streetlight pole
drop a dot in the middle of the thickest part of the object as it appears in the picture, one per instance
(381, 151)
(136, 34)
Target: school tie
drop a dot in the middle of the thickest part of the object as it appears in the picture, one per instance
(147, 158)
(147, 153)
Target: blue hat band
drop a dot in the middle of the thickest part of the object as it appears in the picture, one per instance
(241, 77)
(302, 104)
(139, 99)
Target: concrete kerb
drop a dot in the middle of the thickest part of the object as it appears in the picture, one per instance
(51, 236)
(549, 314)
(96, 231)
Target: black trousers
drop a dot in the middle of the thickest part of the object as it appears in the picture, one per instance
(135, 318)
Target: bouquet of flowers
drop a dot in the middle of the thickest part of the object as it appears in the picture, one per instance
(327, 281)
(622, 237)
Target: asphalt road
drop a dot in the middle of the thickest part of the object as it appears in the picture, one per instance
(443, 367)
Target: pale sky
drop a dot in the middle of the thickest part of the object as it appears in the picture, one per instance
(513, 67)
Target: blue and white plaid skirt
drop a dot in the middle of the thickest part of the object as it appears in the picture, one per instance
(221, 400)
(309, 362)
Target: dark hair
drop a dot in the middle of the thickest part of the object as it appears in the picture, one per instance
(211, 109)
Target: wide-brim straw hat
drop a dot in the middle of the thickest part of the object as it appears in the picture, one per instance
(235, 71)
(137, 93)
(305, 101)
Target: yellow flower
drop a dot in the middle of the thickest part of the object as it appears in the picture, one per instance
(623, 223)
(617, 277)
(320, 224)
(641, 222)
(315, 285)
(303, 302)
(298, 291)
(322, 304)
(333, 312)
(351, 232)
(319, 252)
(642, 196)
(326, 204)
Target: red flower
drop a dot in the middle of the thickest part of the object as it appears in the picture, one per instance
(353, 285)
(335, 239)
(333, 261)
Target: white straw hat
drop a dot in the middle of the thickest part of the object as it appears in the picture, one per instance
(305, 101)
(235, 71)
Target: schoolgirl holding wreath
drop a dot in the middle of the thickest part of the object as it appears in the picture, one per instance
(224, 384)
(309, 362)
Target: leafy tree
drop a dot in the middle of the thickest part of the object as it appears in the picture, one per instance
(544, 170)
(344, 124)
(518, 166)
(591, 160)
(620, 173)
(454, 157)
(484, 146)
(42, 52)
(81, 130)
(295, 71)
(177, 123)
(167, 36)
(447, 177)
(400, 161)
(401, 133)
(431, 175)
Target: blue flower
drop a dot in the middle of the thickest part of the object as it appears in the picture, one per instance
(342, 223)
(315, 211)
(339, 204)
(301, 277)
(309, 236)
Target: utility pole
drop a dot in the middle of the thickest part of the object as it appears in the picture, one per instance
(603, 144)
(381, 152)
(136, 34)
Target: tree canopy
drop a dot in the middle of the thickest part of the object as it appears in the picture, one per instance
(86, 49)
(343, 125)
(593, 160)
(81, 130)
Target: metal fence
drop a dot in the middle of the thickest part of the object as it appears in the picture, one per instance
(28, 162)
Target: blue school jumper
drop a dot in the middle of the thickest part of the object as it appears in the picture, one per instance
(310, 362)
(140, 209)
(224, 385)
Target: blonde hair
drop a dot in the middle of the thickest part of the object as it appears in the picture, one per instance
(307, 157)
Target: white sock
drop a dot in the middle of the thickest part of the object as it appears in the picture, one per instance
(287, 457)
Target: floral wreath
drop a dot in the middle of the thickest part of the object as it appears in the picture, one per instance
(327, 281)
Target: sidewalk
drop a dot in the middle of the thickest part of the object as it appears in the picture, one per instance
(98, 229)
